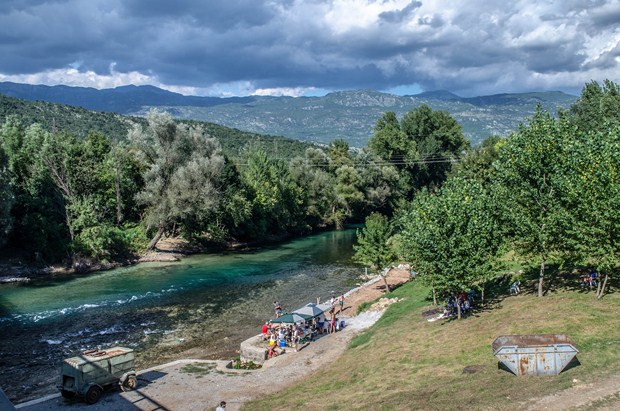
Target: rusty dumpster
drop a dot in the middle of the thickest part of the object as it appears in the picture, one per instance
(536, 354)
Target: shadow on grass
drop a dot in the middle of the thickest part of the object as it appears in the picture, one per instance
(572, 280)
(572, 364)
(556, 280)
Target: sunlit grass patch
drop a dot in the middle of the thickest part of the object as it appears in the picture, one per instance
(198, 369)
(406, 362)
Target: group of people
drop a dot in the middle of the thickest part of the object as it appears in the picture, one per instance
(340, 302)
(461, 299)
(590, 279)
(280, 335)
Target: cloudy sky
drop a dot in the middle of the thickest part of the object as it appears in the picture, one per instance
(310, 47)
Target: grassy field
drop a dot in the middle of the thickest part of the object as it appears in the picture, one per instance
(406, 362)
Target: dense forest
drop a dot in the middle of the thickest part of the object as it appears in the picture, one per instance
(547, 194)
(114, 190)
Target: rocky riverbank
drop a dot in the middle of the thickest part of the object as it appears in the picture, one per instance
(169, 249)
(199, 384)
(17, 270)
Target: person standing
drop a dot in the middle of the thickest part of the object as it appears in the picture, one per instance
(296, 337)
(278, 308)
(221, 407)
(341, 303)
(265, 331)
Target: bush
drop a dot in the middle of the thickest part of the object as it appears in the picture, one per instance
(105, 242)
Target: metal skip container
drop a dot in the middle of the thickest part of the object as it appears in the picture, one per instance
(537, 354)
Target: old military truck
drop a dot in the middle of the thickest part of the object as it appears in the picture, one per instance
(86, 375)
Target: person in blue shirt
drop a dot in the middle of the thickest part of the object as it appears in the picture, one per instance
(593, 275)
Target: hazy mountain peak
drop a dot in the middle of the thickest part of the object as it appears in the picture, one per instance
(350, 115)
(438, 95)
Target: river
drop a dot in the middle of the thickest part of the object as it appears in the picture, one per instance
(201, 307)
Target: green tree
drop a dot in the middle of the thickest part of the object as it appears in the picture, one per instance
(452, 237)
(234, 214)
(422, 146)
(126, 173)
(6, 200)
(378, 182)
(311, 175)
(348, 197)
(529, 177)
(373, 245)
(275, 197)
(38, 214)
(390, 143)
(593, 196)
(439, 140)
(477, 162)
(181, 179)
(338, 154)
(598, 107)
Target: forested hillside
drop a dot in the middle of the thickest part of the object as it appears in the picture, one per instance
(79, 122)
(73, 185)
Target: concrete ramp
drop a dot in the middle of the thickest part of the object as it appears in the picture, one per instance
(5, 404)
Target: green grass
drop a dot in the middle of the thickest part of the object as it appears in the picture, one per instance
(198, 369)
(406, 362)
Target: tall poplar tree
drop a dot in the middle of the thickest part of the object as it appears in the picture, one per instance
(529, 180)
(451, 237)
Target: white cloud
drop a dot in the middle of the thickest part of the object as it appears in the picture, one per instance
(71, 76)
(284, 91)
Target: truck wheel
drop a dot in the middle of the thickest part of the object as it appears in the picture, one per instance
(67, 394)
(130, 383)
(93, 394)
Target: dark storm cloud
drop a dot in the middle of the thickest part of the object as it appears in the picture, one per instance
(397, 16)
(219, 15)
(466, 45)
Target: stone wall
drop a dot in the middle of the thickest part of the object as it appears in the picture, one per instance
(253, 349)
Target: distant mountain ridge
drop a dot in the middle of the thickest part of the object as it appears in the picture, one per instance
(80, 122)
(350, 115)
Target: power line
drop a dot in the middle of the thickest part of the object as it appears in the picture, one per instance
(384, 163)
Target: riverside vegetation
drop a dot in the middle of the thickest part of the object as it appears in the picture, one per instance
(107, 198)
(545, 193)
(548, 189)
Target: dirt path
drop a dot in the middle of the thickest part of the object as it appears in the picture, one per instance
(602, 396)
(200, 384)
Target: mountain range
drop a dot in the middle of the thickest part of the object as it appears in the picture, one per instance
(349, 115)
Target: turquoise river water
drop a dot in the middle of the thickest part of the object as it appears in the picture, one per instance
(202, 306)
